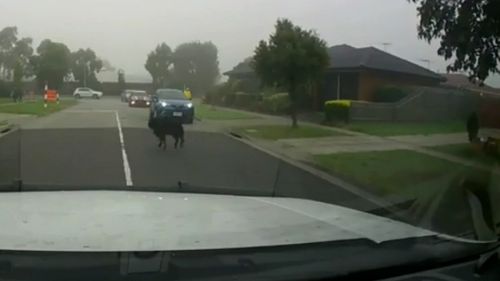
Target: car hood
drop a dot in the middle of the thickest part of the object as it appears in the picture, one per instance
(147, 221)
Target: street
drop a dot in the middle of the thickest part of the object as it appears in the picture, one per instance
(106, 144)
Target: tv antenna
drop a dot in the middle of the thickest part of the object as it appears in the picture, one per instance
(386, 45)
(426, 61)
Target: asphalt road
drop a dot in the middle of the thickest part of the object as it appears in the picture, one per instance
(81, 148)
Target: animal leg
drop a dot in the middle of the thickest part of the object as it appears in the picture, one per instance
(163, 142)
(176, 141)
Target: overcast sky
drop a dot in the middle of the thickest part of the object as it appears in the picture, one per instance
(124, 31)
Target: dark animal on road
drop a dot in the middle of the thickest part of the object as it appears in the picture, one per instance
(161, 128)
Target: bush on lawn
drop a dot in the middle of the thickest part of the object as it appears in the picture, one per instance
(389, 94)
(245, 100)
(276, 104)
(217, 94)
(228, 99)
(5, 89)
(337, 110)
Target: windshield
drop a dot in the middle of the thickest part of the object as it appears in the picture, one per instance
(226, 125)
(170, 94)
(139, 94)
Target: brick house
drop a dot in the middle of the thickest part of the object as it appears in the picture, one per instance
(356, 73)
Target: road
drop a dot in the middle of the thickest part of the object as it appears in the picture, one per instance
(106, 144)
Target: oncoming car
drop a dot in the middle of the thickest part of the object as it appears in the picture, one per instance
(172, 104)
(125, 95)
(139, 99)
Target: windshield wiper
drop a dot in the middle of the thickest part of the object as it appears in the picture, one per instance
(487, 260)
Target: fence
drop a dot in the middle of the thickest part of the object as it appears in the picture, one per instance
(423, 104)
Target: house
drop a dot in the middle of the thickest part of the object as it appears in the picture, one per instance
(356, 73)
(461, 81)
(243, 72)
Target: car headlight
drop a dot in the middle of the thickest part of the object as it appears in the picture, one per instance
(132, 102)
(189, 105)
(163, 104)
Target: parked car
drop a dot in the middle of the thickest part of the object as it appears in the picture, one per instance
(86, 93)
(172, 104)
(125, 95)
(139, 99)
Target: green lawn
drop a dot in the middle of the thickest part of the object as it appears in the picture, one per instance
(35, 108)
(204, 111)
(274, 132)
(391, 172)
(469, 152)
(5, 100)
(432, 185)
(405, 128)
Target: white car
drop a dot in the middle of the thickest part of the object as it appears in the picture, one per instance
(86, 93)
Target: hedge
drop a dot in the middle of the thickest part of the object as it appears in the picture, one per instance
(337, 110)
(245, 99)
(5, 89)
(389, 94)
(276, 104)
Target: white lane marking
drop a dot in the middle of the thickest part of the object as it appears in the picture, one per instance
(126, 165)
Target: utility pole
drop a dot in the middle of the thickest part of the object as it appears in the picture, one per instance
(85, 75)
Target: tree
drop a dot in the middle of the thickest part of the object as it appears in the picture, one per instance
(158, 65)
(22, 53)
(291, 59)
(52, 64)
(468, 30)
(196, 65)
(107, 66)
(14, 53)
(8, 38)
(84, 66)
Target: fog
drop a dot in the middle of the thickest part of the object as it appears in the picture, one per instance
(124, 31)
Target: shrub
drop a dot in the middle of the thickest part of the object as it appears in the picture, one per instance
(389, 94)
(5, 89)
(246, 100)
(217, 94)
(277, 103)
(228, 99)
(337, 110)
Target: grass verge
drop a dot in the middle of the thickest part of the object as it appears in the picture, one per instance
(204, 111)
(391, 172)
(405, 128)
(274, 132)
(469, 152)
(434, 186)
(35, 108)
